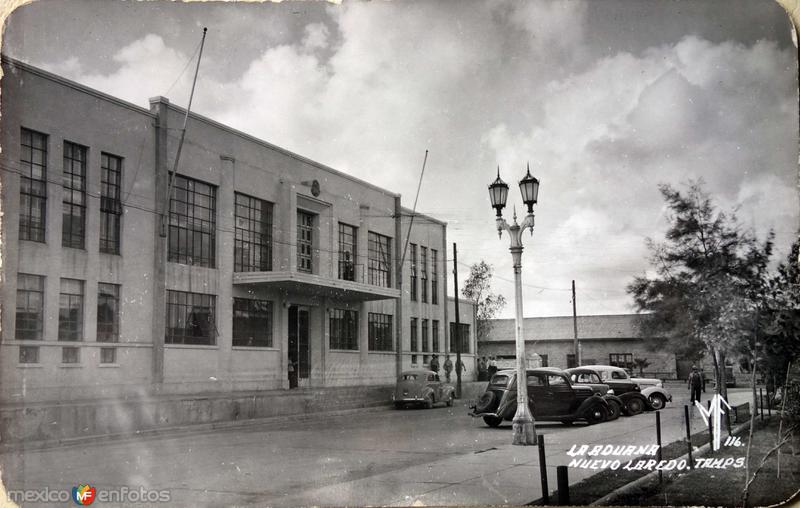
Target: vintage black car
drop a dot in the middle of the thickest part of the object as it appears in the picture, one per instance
(619, 381)
(551, 397)
(421, 387)
(590, 378)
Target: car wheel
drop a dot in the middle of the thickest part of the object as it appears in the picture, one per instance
(493, 421)
(614, 410)
(658, 401)
(634, 406)
(596, 414)
(398, 405)
(485, 402)
(428, 401)
(450, 399)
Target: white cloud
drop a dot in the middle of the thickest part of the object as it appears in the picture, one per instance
(376, 84)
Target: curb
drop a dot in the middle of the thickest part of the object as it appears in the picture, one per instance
(649, 477)
(196, 428)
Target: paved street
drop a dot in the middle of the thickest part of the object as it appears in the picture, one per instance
(382, 457)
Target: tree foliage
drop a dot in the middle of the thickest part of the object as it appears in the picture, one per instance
(708, 279)
(478, 287)
(778, 339)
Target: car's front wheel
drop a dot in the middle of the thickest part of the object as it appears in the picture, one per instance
(597, 414)
(493, 421)
(657, 401)
(428, 401)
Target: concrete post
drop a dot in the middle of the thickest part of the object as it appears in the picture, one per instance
(160, 107)
(225, 241)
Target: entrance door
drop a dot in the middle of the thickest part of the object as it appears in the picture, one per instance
(299, 357)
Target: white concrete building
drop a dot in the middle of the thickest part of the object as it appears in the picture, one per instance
(258, 269)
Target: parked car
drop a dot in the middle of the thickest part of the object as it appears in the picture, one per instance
(551, 397)
(654, 390)
(618, 380)
(586, 376)
(422, 387)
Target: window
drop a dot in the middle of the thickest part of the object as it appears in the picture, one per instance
(108, 355)
(380, 332)
(252, 247)
(30, 302)
(544, 361)
(380, 260)
(413, 272)
(571, 361)
(305, 242)
(344, 329)
(192, 222)
(252, 322)
(190, 318)
(423, 261)
(29, 354)
(70, 355)
(624, 360)
(348, 249)
(70, 310)
(435, 336)
(110, 203)
(73, 232)
(587, 377)
(107, 312)
(463, 329)
(425, 335)
(434, 277)
(33, 185)
(414, 345)
(556, 380)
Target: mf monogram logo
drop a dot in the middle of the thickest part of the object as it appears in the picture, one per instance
(715, 414)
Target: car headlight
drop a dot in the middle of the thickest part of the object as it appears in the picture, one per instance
(660, 384)
(610, 392)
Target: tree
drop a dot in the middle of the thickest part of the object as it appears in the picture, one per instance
(709, 278)
(778, 341)
(478, 289)
(642, 363)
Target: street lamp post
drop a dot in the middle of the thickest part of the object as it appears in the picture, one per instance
(523, 424)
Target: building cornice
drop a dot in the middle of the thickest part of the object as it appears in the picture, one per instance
(12, 62)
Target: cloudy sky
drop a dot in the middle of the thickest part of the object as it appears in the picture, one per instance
(604, 99)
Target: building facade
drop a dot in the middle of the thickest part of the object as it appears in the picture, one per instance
(603, 340)
(247, 267)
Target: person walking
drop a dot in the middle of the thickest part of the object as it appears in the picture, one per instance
(492, 367)
(460, 367)
(482, 372)
(448, 367)
(435, 364)
(696, 383)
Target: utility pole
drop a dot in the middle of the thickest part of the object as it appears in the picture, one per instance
(575, 328)
(457, 326)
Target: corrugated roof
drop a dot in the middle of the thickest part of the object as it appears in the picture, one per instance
(619, 326)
